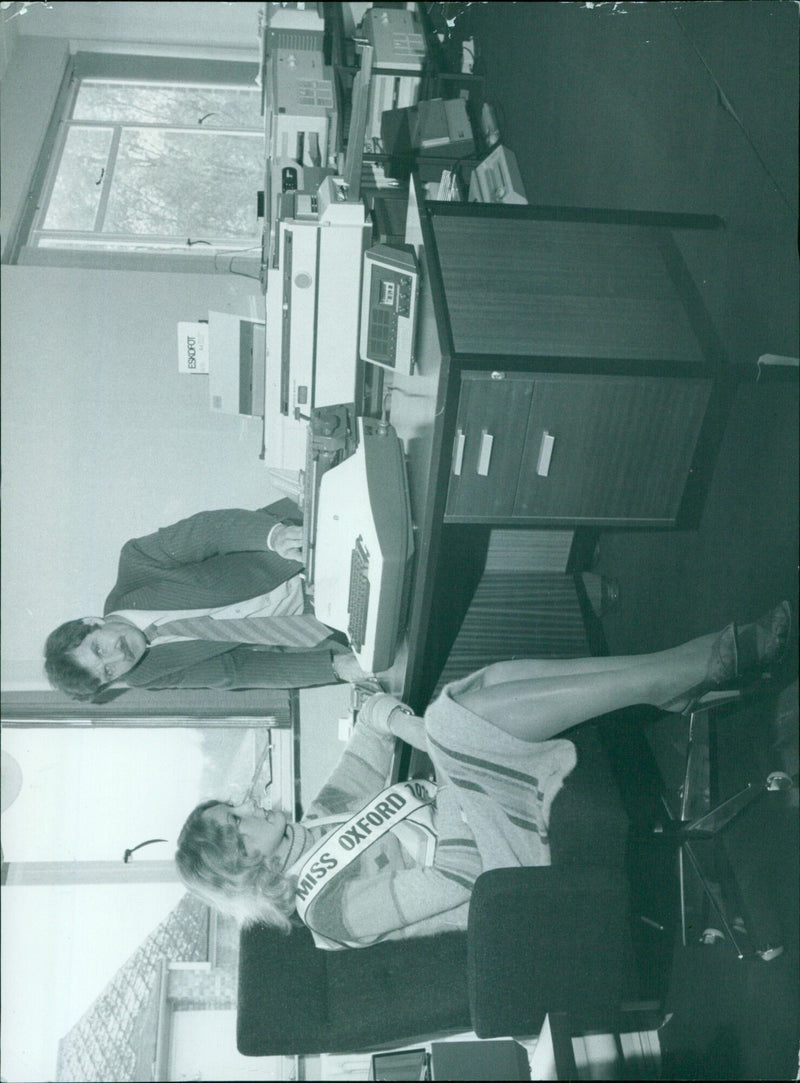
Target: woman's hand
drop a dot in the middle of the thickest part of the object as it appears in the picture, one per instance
(389, 716)
(409, 728)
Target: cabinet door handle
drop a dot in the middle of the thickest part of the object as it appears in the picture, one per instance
(545, 454)
(485, 453)
(458, 452)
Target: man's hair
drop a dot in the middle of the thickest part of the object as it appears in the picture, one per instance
(62, 670)
(214, 867)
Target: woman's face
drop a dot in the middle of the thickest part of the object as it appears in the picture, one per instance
(259, 831)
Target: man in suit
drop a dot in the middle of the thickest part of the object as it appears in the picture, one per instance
(219, 566)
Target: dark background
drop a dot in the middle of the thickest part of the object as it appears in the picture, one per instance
(692, 107)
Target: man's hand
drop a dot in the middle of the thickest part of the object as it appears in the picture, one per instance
(287, 542)
(346, 668)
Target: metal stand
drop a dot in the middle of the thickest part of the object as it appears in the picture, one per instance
(688, 827)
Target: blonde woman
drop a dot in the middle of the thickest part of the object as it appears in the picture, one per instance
(358, 872)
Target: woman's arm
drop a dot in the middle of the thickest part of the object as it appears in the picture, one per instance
(409, 728)
(388, 715)
(366, 762)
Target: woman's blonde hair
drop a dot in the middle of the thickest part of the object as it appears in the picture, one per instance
(213, 865)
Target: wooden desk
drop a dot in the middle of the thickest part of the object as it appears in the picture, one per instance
(421, 407)
(576, 325)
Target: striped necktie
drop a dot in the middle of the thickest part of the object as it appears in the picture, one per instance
(303, 630)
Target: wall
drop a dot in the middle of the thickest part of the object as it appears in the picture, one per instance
(102, 438)
(203, 1046)
(30, 84)
(679, 107)
(184, 24)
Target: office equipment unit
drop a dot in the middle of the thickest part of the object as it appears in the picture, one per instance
(298, 102)
(331, 438)
(389, 307)
(497, 179)
(442, 126)
(400, 1064)
(313, 303)
(236, 364)
(364, 545)
(396, 36)
(326, 204)
(437, 127)
(398, 42)
(300, 109)
(430, 137)
(388, 92)
(502, 1058)
(283, 176)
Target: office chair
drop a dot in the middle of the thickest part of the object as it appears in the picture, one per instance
(695, 821)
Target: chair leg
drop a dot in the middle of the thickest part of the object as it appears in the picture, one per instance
(738, 935)
(682, 889)
(713, 821)
(688, 828)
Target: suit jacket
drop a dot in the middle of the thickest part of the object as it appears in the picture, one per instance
(212, 559)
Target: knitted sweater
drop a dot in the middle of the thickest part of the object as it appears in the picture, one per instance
(384, 893)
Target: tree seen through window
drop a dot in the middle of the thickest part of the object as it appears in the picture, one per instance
(158, 166)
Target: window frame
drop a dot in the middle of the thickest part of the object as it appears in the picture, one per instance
(125, 67)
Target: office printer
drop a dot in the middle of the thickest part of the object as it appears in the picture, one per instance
(313, 308)
(299, 101)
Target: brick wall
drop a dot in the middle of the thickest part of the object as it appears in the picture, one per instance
(198, 990)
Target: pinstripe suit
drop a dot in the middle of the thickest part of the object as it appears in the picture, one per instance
(211, 559)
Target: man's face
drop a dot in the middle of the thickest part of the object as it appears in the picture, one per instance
(110, 650)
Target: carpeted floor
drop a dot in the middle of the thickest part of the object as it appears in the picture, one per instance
(733, 1019)
(688, 107)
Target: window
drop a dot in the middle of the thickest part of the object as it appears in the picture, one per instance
(150, 157)
(80, 907)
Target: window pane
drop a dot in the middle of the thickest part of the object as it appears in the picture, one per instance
(189, 106)
(78, 801)
(194, 185)
(85, 243)
(79, 182)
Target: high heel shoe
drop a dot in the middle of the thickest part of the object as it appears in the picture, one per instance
(738, 655)
(745, 652)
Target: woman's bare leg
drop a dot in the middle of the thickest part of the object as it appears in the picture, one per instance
(523, 669)
(536, 700)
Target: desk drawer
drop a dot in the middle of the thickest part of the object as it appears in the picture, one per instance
(573, 449)
(607, 449)
(492, 420)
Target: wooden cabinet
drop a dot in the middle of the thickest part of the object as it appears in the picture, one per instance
(573, 449)
(607, 361)
(532, 287)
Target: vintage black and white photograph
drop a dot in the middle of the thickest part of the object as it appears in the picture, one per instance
(400, 529)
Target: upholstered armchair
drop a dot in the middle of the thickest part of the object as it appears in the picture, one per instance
(539, 939)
